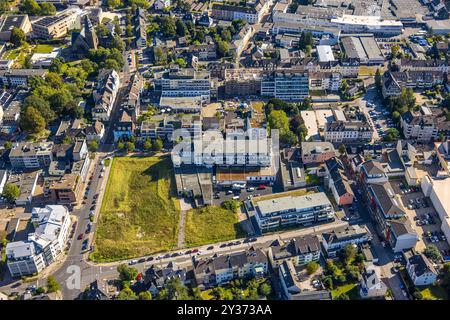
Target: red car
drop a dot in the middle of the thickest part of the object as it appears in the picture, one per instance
(80, 236)
(261, 187)
(195, 251)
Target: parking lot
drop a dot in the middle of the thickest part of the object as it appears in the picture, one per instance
(379, 118)
(423, 217)
(222, 194)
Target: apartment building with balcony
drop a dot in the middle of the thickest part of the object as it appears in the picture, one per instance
(29, 155)
(289, 210)
(286, 84)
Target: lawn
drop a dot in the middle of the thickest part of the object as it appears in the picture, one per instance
(350, 289)
(11, 54)
(140, 211)
(434, 293)
(43, 48)
(211, 224)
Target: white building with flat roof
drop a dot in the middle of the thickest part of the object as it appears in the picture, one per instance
(367, 24)
(44, 245)
(325, 53)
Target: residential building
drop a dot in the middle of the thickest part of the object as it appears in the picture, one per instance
(288, 84)
(30, 155)
(182, 83)
(300, 251)
(370, 285)
(371, 171)
(423, 65)
(328, 81)
(337, 181)
(242, 82)
(291, 210)
(19, 77)
(95, 131)
(65, 189)
(419, 126)
(56, 26)
(348, 131)
(291, 288)
(292, 170)
(420, 270)
(162, 4)
(3, 179)
(44, 246)
(218, 270)
(317, 152)
(252, 12)
(339, 238)
(8, 22)
(26, 182)
(124, 127)
(105, 94)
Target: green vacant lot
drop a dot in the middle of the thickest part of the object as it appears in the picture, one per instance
(350, 289)
(140, 211)
(43, 48)
(211, 224)
(434, 293)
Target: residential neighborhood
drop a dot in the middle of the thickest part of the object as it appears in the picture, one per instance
(254, 150)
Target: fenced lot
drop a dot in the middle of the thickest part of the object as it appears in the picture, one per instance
(140, 210)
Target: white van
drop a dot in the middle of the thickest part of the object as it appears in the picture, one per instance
(236, 198)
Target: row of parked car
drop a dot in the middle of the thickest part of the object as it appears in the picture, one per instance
(417, 203)
(189, 252)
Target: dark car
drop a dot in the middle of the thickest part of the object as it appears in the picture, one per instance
(237, 242)
(80, 236)
(95, 196)
(150, 259)
(167, 256)
(141, 260)
(176, 254)
(223, 245)
(188, 252)
(210, 248)
(85, 245)
(93, 207)
(195, 251)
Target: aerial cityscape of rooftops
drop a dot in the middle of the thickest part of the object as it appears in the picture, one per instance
(224, 150)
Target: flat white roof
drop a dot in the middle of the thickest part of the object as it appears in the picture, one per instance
(366, 20)
(309, 117)
(325, 53)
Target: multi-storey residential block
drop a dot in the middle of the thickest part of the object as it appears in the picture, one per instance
(252, 12)
(419, 126)
(31, 155)
(291, 210)
(242, 82)
(286, 84)
(299, 251)
(56, 26)
(19, 77)
(348, 131)
(339, 238)
(317, 152)
(105, 94)
(44, 246)
(324, 81)
(423, 65)
(180, 83)
(8, 22)
(222, 269)
(420, 269)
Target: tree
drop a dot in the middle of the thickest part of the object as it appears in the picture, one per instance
(222, 49)
(342, 149)
(130, 147)
(392, 135)
(41, 105)
(445, 275)
(395, 50)
(118, 43)
(60, 101)
(145, 295)
(18, 37)
(181, 62)
(147, 144)
(264, 289)
(11, 192)
(120, 145)
(349, 253)
(308, 50)
(30, 7)
(157, 144)
(93, 146)
(176, 290)
(431, 252)
(288, 137)
(127, 273)
(7, 145)
(126, 294)
(52, 284)
(378, 79)
(231, 205)
(31, 121)
(168, 26)
(113, 3)
(47, 9)
(4, 6)
(181, 28)
(312, 267)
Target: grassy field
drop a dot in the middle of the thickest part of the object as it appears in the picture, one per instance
(434, 293)
(350, 289)
(140, 212)
(43, 48)
(211, 224)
